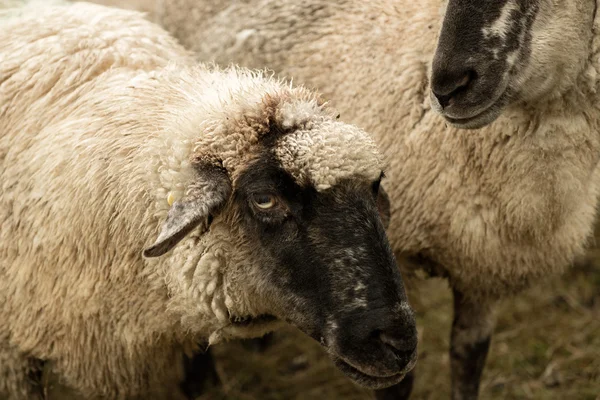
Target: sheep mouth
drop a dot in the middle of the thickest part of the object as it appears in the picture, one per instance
(366, 380)
(480, 120)
(250, 321)
(484, 117)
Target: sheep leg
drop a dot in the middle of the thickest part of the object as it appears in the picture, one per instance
(20, 376)
(200, 372)
(400, 391)
(470, 341)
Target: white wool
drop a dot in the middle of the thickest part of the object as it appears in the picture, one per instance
(101, 115)
(324, 162)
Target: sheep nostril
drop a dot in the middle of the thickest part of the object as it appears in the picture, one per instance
(445, 100)
(450, 85)
(403, 348)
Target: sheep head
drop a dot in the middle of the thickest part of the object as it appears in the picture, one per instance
(494, 53)
(285, 222)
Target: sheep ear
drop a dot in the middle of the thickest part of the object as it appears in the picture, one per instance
(207, 196)
(383, 206)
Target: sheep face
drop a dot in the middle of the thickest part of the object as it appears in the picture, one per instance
(493, 53)
(296, 234)
(325, 266)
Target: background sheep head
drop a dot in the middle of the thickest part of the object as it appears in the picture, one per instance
(282, 221)
(493, 53)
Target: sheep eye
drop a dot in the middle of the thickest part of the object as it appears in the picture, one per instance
(264, 201)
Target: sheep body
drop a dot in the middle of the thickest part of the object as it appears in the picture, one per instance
(45, 123)
(101, 112)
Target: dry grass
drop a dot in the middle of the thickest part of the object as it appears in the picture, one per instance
(547, 346)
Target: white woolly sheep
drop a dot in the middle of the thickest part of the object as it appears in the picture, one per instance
(275, 213)
(493, 209)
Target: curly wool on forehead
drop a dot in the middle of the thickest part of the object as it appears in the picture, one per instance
(327, 152)
(239, 113)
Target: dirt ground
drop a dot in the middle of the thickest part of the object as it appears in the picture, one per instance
(546, 346)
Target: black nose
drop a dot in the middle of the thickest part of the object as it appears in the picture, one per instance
(402, 342)
(448, 83)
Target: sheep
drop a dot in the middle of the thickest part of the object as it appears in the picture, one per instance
(493, 210)
(266, 206)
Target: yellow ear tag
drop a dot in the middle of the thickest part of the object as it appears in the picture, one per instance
(170, 198)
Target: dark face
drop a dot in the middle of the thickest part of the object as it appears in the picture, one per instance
(493, 53)
(328, 269)
(483, 49)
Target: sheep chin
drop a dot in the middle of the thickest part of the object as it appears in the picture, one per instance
(253, 329)
(365, 380)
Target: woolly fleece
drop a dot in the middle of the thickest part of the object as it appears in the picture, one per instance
(101, 114)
